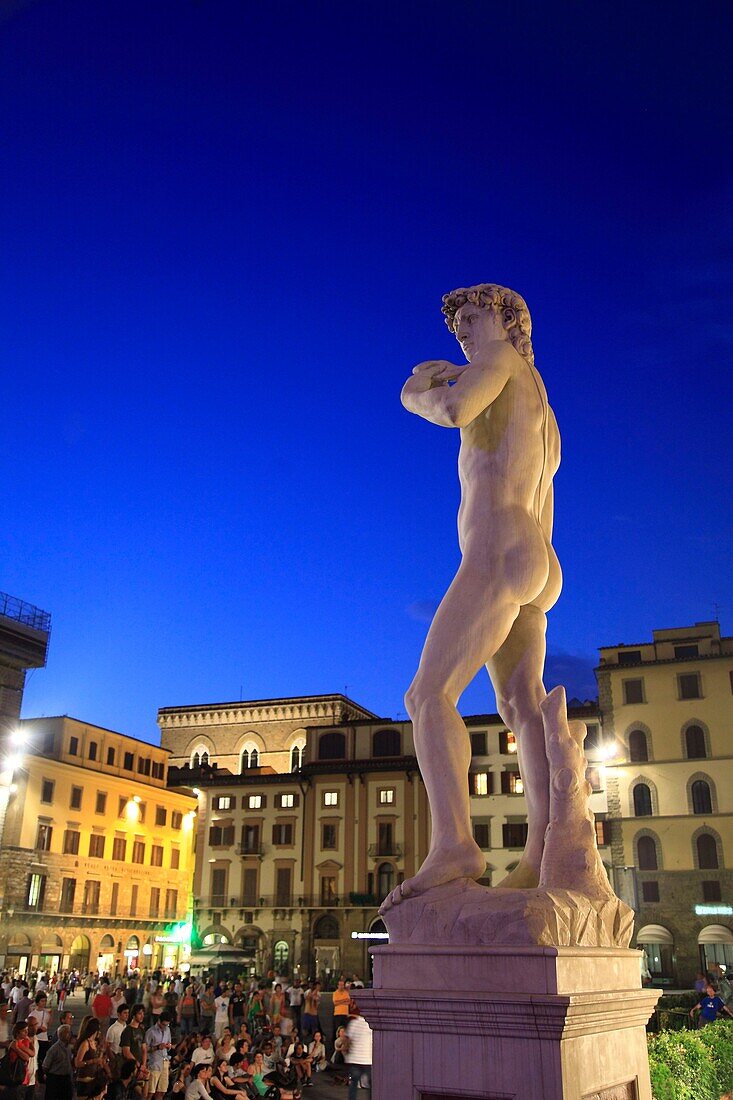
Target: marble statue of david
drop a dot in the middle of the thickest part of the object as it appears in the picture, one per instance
(494, 612)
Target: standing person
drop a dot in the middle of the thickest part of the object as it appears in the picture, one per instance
(341, 999)
(221, 1019)
(132, 1041)
(294, 994)
(237, 1008)
(114, 1036)
(188, 1010)
(88, 986)
(43, 1017)
(358, 1055)
(495, 610)
(23, 1005)
(4, 1029)
(710, 1006)
(207, 1008)
(277, 1002)
(158, 1042)
(311, 1003)
(33, 1065)
(102, 1009)
(58, 1067)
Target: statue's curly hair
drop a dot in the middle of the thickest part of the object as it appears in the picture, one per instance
(507, 303)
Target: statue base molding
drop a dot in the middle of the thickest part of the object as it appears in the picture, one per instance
(508, 1023)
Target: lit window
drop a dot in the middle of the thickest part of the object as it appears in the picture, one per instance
(511, 742)
(224, 802)
(480, 783)
(287, 801)
(330, 798)
(36, 891)
(254, 802)
(386, 796)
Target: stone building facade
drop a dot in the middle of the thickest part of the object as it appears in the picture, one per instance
(304, 825)
(96, 852)
(667, 707)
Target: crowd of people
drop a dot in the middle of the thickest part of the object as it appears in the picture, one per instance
(155, 1038)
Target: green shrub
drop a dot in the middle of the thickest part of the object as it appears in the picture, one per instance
(692, 1065)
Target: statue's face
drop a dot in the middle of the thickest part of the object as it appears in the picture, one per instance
(475, 328)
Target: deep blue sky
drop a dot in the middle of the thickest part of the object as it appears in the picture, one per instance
(226, 228)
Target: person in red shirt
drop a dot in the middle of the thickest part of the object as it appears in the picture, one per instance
(102, 1009)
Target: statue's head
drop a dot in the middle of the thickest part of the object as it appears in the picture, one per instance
(508, 311)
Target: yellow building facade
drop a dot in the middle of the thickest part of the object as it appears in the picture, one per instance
(667, 707)
(96, 853)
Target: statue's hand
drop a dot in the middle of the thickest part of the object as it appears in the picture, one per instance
(431, 373)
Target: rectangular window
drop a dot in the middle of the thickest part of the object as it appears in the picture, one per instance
(36, 891)
(101, 804)
(156, 855)
(254, 802)
(507, 743)
(161, 815)
(250, 839)
(328, 835)
(141, 808)
(514, 834)
(221, 836)
(43, 838)
(140, 765)
(154, 909)
(478, 744)
(119, 849)
(629, 657)
(138, 850)
(76, 793)
(114, 899)
(249, 886)
(175, 858)
(128, 761)
(110, 757)
(683, 651)
(92, 750)
(711, 891)
(481, 834)
(68, 889)
(47, 790)
(603, 832)
(328, 889)
(593, 775)
(689, 685)
(330, 798)
(283, 886)
(592, 737)
(176, 819)
(90, 903)
(511, 783)
(218, 886)
(223, 802)
(650, 891)
(73, 746)
(96, 846)
(133, 900)
(286, 801)
(633, 691)
(171, 904)
(386, 796)
(158, 769)
(122, 806)
(282, 834)
(71, 842)
(479, 784)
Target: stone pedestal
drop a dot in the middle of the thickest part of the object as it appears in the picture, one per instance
(508, 1023)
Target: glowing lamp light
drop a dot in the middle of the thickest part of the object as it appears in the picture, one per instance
(132, 810)
(188, 819)
(136, 798)
(196, 791)
(18, 737)
(608, 750)
(13, 762)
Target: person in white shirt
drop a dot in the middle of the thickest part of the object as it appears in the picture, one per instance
(221, 1019)
(203, 1054)
(359, 1054)
(32, 1063)
(114, 1032)
(197, 1086)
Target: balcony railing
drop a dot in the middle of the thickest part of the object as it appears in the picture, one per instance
(377, 850)
(288, 901)
(13, 608)
(250, 850)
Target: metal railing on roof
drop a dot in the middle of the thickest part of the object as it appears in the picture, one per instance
(13, 608)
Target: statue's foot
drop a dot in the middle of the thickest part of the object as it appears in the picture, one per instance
(525, 876)
(444, 864)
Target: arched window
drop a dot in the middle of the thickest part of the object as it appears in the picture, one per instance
(332, 746)
(647, 853)
(199, 756)
(250, 757)
(280, 955)
(695, 743)
(638, 746)
(297, 756)
(327, 928)
(642, 800)
(707, 852)
(385, 879)
(702, 802)
(386, 743)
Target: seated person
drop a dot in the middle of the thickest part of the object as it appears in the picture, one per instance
(317, 1053)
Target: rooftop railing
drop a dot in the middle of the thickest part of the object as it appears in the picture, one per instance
(13, 608)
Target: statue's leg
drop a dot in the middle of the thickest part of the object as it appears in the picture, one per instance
(469, 626)
(516, 673)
